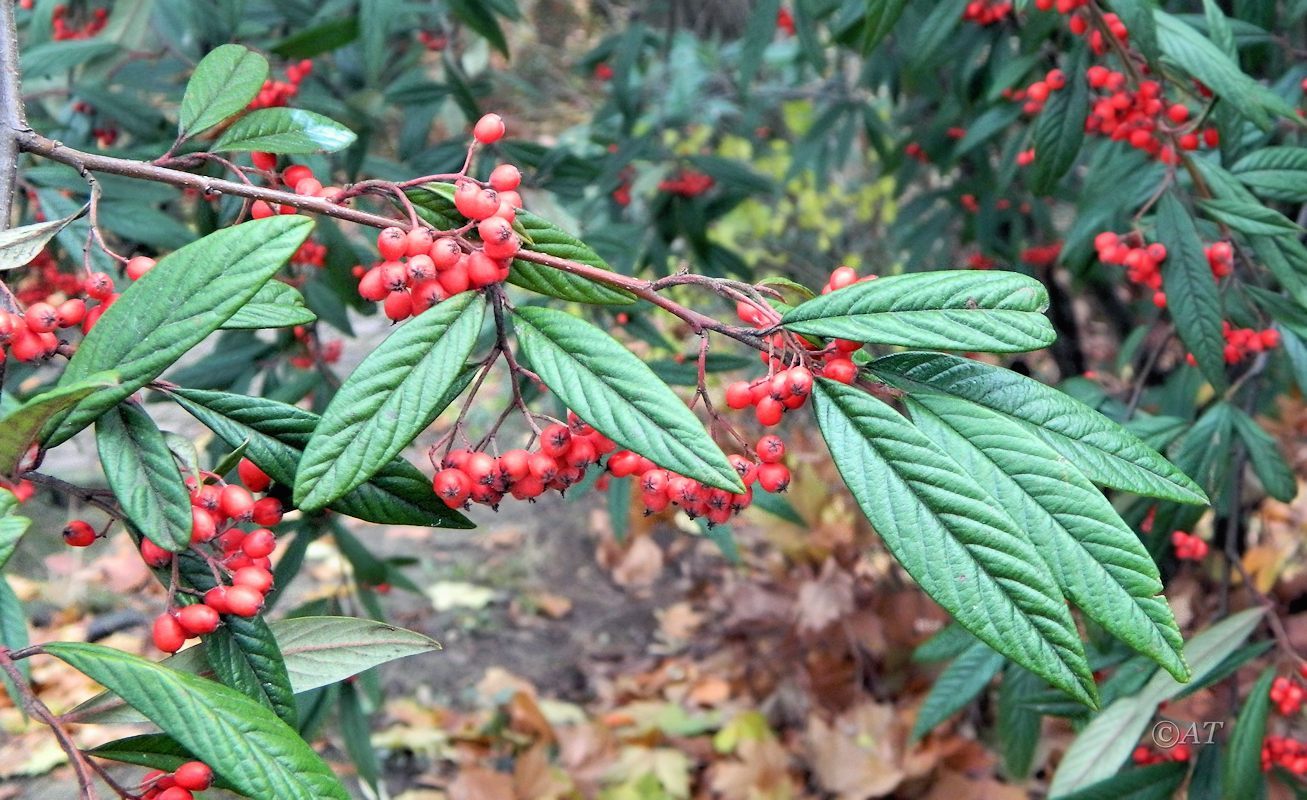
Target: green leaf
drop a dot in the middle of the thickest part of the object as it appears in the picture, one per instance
(1197, 55)
(143, 475)
(617, 393)
(21, 428)
(1060, 129)
(223, 84)
(189, 294)
(434, 203)
(1191, 293)
(152, 750)
(759, 32)
(552, 240)
(878, 21)
(1019, 728)
(48, 58)
(258, 754)
(1243, 775)
(1098, 561)
(316, 652)
(944, 529)
(960, 683)
(276, 305)
(18, 246)
(375, 20)
(1268, 462)
(12, 527)
(244, 654)
(1106, 742)
(393, 395)
(277, 433)
(478, 16)
(1138, 18)
(357, 733)
(1104, 451)
(285, 131)
(13, 635)
(1253, 219)
(1276, 173)
(1154, 782)
(318, 39)
(998, 312)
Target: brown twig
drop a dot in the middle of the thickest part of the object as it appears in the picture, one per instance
(40, 711)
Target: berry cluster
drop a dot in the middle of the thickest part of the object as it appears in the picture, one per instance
(987, 12)
(1243, 342)
(1286, 752)
(1144, 755)
(276, 93)
(1141, 117)
(1188, 547)
(660, 488)
(1036, 94)
(30, 336)
(687, 183)
(61, 29)
(216, 513)
(192, 776)
(1142, 262)
(1287, 694)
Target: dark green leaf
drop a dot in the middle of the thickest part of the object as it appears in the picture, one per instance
(960, 683)
(357, 732)
(946, 532)
(258, 754)
(552, 240)
(758, 33)
(1154, 782)
(1104, 451)
(1253, 219)
(391, 397)
(223, 83)
(13, 634)
(1018, 727)
(143, 475)
(617, 393)
(309, 42)
(879, 21)
(1268, 462)
(1191, 294)
(1243, 775)
(171, 308)
(20, 429)
(996, 312)
(480, 18)
(286, 131)
(1276, 173)
(12, 526)
(277, 433)
(48, 58)
(276, 305)
(18, 246)
(1060, 129)
(244, 655)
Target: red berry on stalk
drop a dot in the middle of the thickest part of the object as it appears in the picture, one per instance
(452, 486)
(216, 598)
(174, 793)
(194, 776)
(255, 479)
(266, 512)
(198, 619)
(252, 577)
(167, 633)
(445, 253)
(419, 241)
(203, 525)
(746, 469)
(71, 312)
(236, 501)
(769, 411)
(770, 449)
(243, 601)
(79, 533)
(138, 266)
(398, 306)
(41, 318)
(840, 369)
(505, 178)
(392, 243)
(489, 129)
(555, 440)
(155, 555)
(773, 477)
(739, 395)
(259, 543)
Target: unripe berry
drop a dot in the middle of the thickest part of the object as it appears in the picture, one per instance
(167, 633)
(255, 479)
(489, 129)
(392, 243)
(79, 533)
(194, 776)
(198, 619)
(505, 178)
(243, 601)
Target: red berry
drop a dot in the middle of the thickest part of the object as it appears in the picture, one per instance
(138, 266)
(252, 577)
(71, 312)
(255, 479)
(174, 793)
(203, 525)
(770, 449)
(747, 470)
(505, 178)
(445, 253)
(555, 440)
(292, 175)
(392, 243)
(543, 467)
(236, 501)
(769, 411)
(243, 601)
(489, 129)
(194, 776)
(41, 318)
(773, 477)
(840, 369)
(516, 464)
(799, 381)
(474, 202)
(398, 306)
(739, 395)
(843, 276)
(155, 555)
(259, 543)
(452, 486)
(419, 241)
(167, 633)
(79, 533)
(216, 598)
(482, 270)
(198, 619)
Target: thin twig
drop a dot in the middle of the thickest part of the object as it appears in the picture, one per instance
(40, 711)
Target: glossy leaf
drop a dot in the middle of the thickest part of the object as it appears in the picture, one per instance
(1242, 776)
(617, 393)
(480, 17)
(1267, 461)
(999, 312)
(223, 84)
(1100, 749)
(1060, 129)
(960, 683)
(276, 305)
(285, 131)
(12, 526)
(256, 753)
(1098, 561)
(391, 397)
(1276, 173)
(552, 240)
(18, 246)
(879, 21)
(143, 475)
(189, 294)
(244, 655)
(1251, 218)
(277, 433)
(1191, 293)
(20, 429)
(943, 528)
(1104, 451)
(1154, 782)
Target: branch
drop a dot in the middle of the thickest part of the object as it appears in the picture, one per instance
(13, 119)
(40, 711)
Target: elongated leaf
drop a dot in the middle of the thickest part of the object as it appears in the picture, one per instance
(286, 131)
(223, 83)
(1253, 219)
(1242, 776)
(758, 33)
(13, 634)
(244, 654)
(1104, 451)
(998, 312)
(356, 731)
(398, 390)
(277, 433)
(1191, 293)
(1268, 462)
(552, 240)
(1019, 727)
(1060, 129)
(480, 17)
(171, 308)
(879, 21)
(18, 246)
(12, 528)
(1105, 743)
(1098, 561)
(943, 528)
(20, 429)
(960, 683)
(316, 651)
(258, 754)
(153, 750)
(276, 305)
(1276, 173)
(144, 476)
(1154, 782)
(617, 393)
(434, 203)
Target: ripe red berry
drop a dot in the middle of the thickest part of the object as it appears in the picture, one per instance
(840, 369)
(452, 486)
(79, 533)
(255, 479)
(392, 243)
(773, 477)
(236, 501)
(292, 175)
(167, 633)
(482, 270)
(418, 241)
(489, 129)
(41, 318)
(99, 286)
(398, 306)
(203, 525)
(194, 776)
(746, 469)
(243, 601)
(216, 598)
(769, 411)
(843, 276)
(71, 312)
(198, 619)
(259, 543)
(455, 280)
(799, 381)
(739, 395)
(505, 178)
(770, 449)
(515, 464)
(252, 577)
(555, 440)
(155, 555)
(543, 467)
(474, 202)
(266, 512)
(445, 253)
(138, 266)
(174, 793)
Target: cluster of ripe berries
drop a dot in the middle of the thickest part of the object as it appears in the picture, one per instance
(987, 12)
(1036, 94)
(275, 93)
(687, 183)
(243, 555)
(1188, 547)
(420, 267)
(660, 488)
(192, 776)
(1141, 117)
(1286, 752)
(61, 29)
(1144, 755)
(1143, 261)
